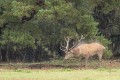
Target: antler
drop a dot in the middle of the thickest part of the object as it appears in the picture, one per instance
(67, 40)
(65, 48)
(82, 37)
(78, 41)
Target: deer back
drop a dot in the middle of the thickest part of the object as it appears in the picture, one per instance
(88, 49)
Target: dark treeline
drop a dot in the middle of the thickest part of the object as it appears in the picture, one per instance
(32, 30)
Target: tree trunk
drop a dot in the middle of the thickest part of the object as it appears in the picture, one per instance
(0, 54)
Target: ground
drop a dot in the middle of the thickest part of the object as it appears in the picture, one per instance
(60, 69)
(60, 63)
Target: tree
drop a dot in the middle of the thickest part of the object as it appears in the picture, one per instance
(107, 14)
(42, 24)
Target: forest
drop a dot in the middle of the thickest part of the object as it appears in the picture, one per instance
(32, 30)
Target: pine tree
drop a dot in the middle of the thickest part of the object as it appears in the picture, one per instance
(45, 23)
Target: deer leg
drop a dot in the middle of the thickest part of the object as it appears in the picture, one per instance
(82, 60)
(86, 61)
(100, 57)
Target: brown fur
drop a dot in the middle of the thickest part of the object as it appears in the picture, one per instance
(86, 50)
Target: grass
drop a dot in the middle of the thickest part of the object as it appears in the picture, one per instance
(61, 74)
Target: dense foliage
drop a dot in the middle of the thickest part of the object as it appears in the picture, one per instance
(33, 28)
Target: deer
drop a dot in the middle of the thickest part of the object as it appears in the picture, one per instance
(85, 50)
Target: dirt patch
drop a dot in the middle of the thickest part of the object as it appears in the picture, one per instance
(91, 65)
(48, 66)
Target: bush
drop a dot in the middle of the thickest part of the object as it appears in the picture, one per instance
(106, 43)
(108, 54)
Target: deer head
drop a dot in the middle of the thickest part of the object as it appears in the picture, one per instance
(68, 51)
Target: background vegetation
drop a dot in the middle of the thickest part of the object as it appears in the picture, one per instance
(31, 30)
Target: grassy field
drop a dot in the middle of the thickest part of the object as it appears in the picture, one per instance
(61, 74)
(61, 70)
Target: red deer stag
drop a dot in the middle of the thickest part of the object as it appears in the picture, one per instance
(85, 50)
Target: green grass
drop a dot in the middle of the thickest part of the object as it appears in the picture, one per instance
(61, 74)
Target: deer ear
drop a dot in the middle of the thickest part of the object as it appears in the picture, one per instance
(65, 52)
